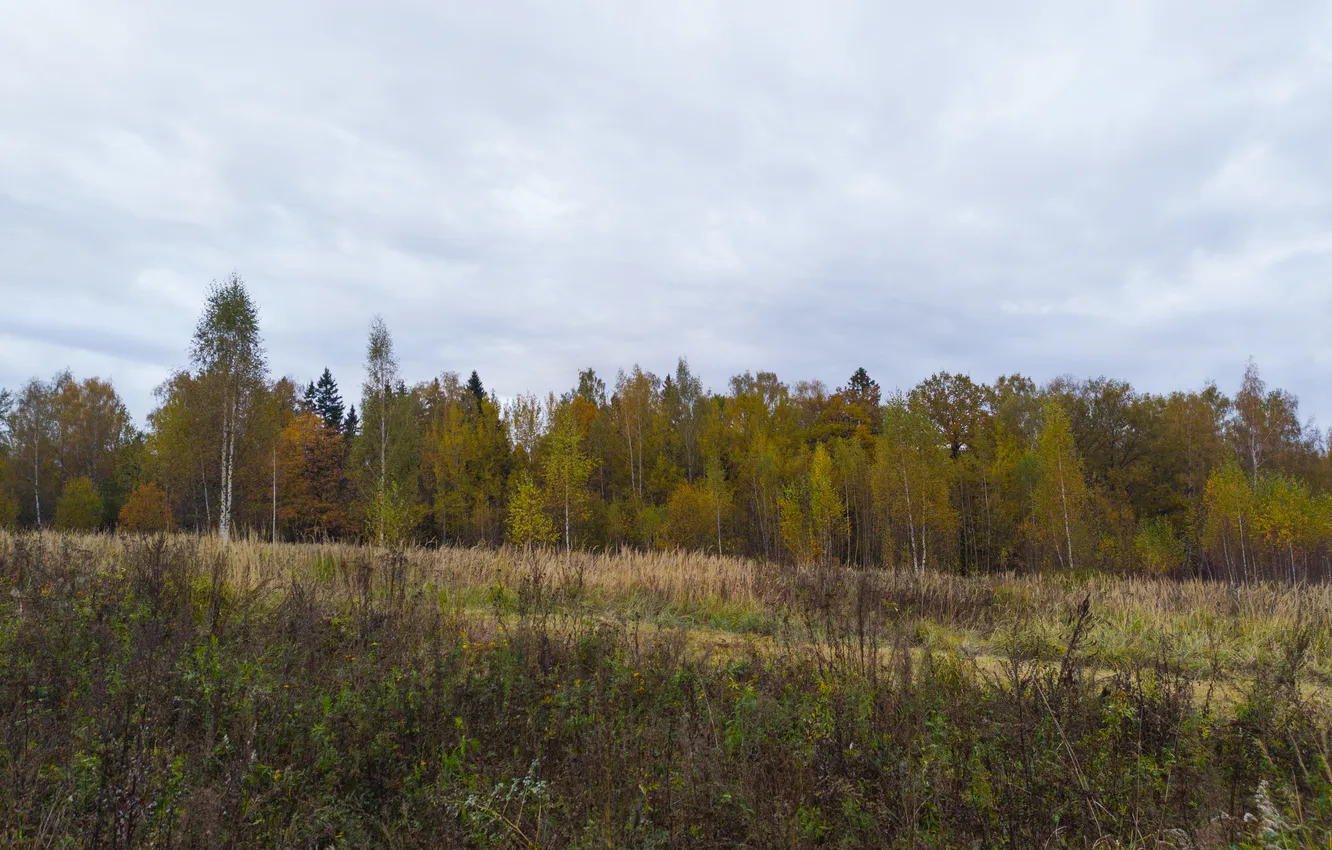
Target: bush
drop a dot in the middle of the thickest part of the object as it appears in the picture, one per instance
(146, 512)
(80, 507)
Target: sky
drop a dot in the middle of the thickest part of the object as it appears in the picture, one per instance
(1139, 190)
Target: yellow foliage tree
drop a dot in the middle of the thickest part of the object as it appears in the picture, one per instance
(1060, 496)
(912, 475)
(690, 516)
(529, 525)
(1228, 529)
(813, 515)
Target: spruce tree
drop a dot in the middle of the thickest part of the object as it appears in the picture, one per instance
(352, 424)
(478, 391)
(327, 402)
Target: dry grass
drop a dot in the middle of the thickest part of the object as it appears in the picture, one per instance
(170, 693)
(1209, 628)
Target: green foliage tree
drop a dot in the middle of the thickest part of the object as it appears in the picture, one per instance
(179, 450)
(9, 510)
(228, 356)
(1159, 549)
(1286, 522)
(381, 374)
(393, 516)
(80, 507)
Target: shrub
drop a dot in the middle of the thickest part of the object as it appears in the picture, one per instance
(146, 512)
(79, 507)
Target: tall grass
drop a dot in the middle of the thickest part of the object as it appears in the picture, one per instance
(1206, 626)
(167, 693)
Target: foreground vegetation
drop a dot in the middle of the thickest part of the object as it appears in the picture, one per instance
(165, 692)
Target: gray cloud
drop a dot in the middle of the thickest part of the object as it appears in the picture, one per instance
(530, 188)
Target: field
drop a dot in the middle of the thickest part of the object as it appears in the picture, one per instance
(162, 692)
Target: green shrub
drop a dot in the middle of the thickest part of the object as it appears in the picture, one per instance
(79, 507)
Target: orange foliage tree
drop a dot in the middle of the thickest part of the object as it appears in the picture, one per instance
(146, 511)
(312, 487)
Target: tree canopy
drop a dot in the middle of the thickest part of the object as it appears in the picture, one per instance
(950, 474)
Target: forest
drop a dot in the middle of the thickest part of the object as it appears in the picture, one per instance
(953, 474)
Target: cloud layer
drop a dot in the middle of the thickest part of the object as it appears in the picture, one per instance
(530, 188)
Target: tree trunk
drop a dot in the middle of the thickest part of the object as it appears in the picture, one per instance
(911, 523)
(717, 500)
(36, 476)
(1063, 499)
(224, 495)
(383, 452)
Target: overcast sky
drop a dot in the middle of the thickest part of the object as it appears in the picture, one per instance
(1133, 189)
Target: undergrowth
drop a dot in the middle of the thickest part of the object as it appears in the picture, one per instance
(150, 697)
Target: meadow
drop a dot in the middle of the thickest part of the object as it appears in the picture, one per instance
(164, 691)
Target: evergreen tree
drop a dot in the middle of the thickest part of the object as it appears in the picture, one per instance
(476, 389)
(352, 425)
(325, 400)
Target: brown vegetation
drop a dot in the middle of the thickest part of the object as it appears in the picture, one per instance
(163, 692)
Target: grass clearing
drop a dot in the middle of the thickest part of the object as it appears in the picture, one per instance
(167, 693)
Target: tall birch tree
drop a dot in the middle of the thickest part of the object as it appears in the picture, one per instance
(229, 357)
(1061, 496)
(381, 373)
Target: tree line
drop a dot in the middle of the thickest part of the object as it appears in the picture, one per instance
(1072, 475)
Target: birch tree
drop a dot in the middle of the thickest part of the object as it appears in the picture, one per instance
(567, 469)
(30, 429)
(1061, 491)
(228, 355)
(381, 373)
(813, 516)
(911, 480)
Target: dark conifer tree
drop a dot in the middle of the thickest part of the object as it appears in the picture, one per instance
(478, 391)
(353, 423)
(327, 401)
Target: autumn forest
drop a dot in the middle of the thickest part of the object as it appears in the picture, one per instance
(953, 474)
